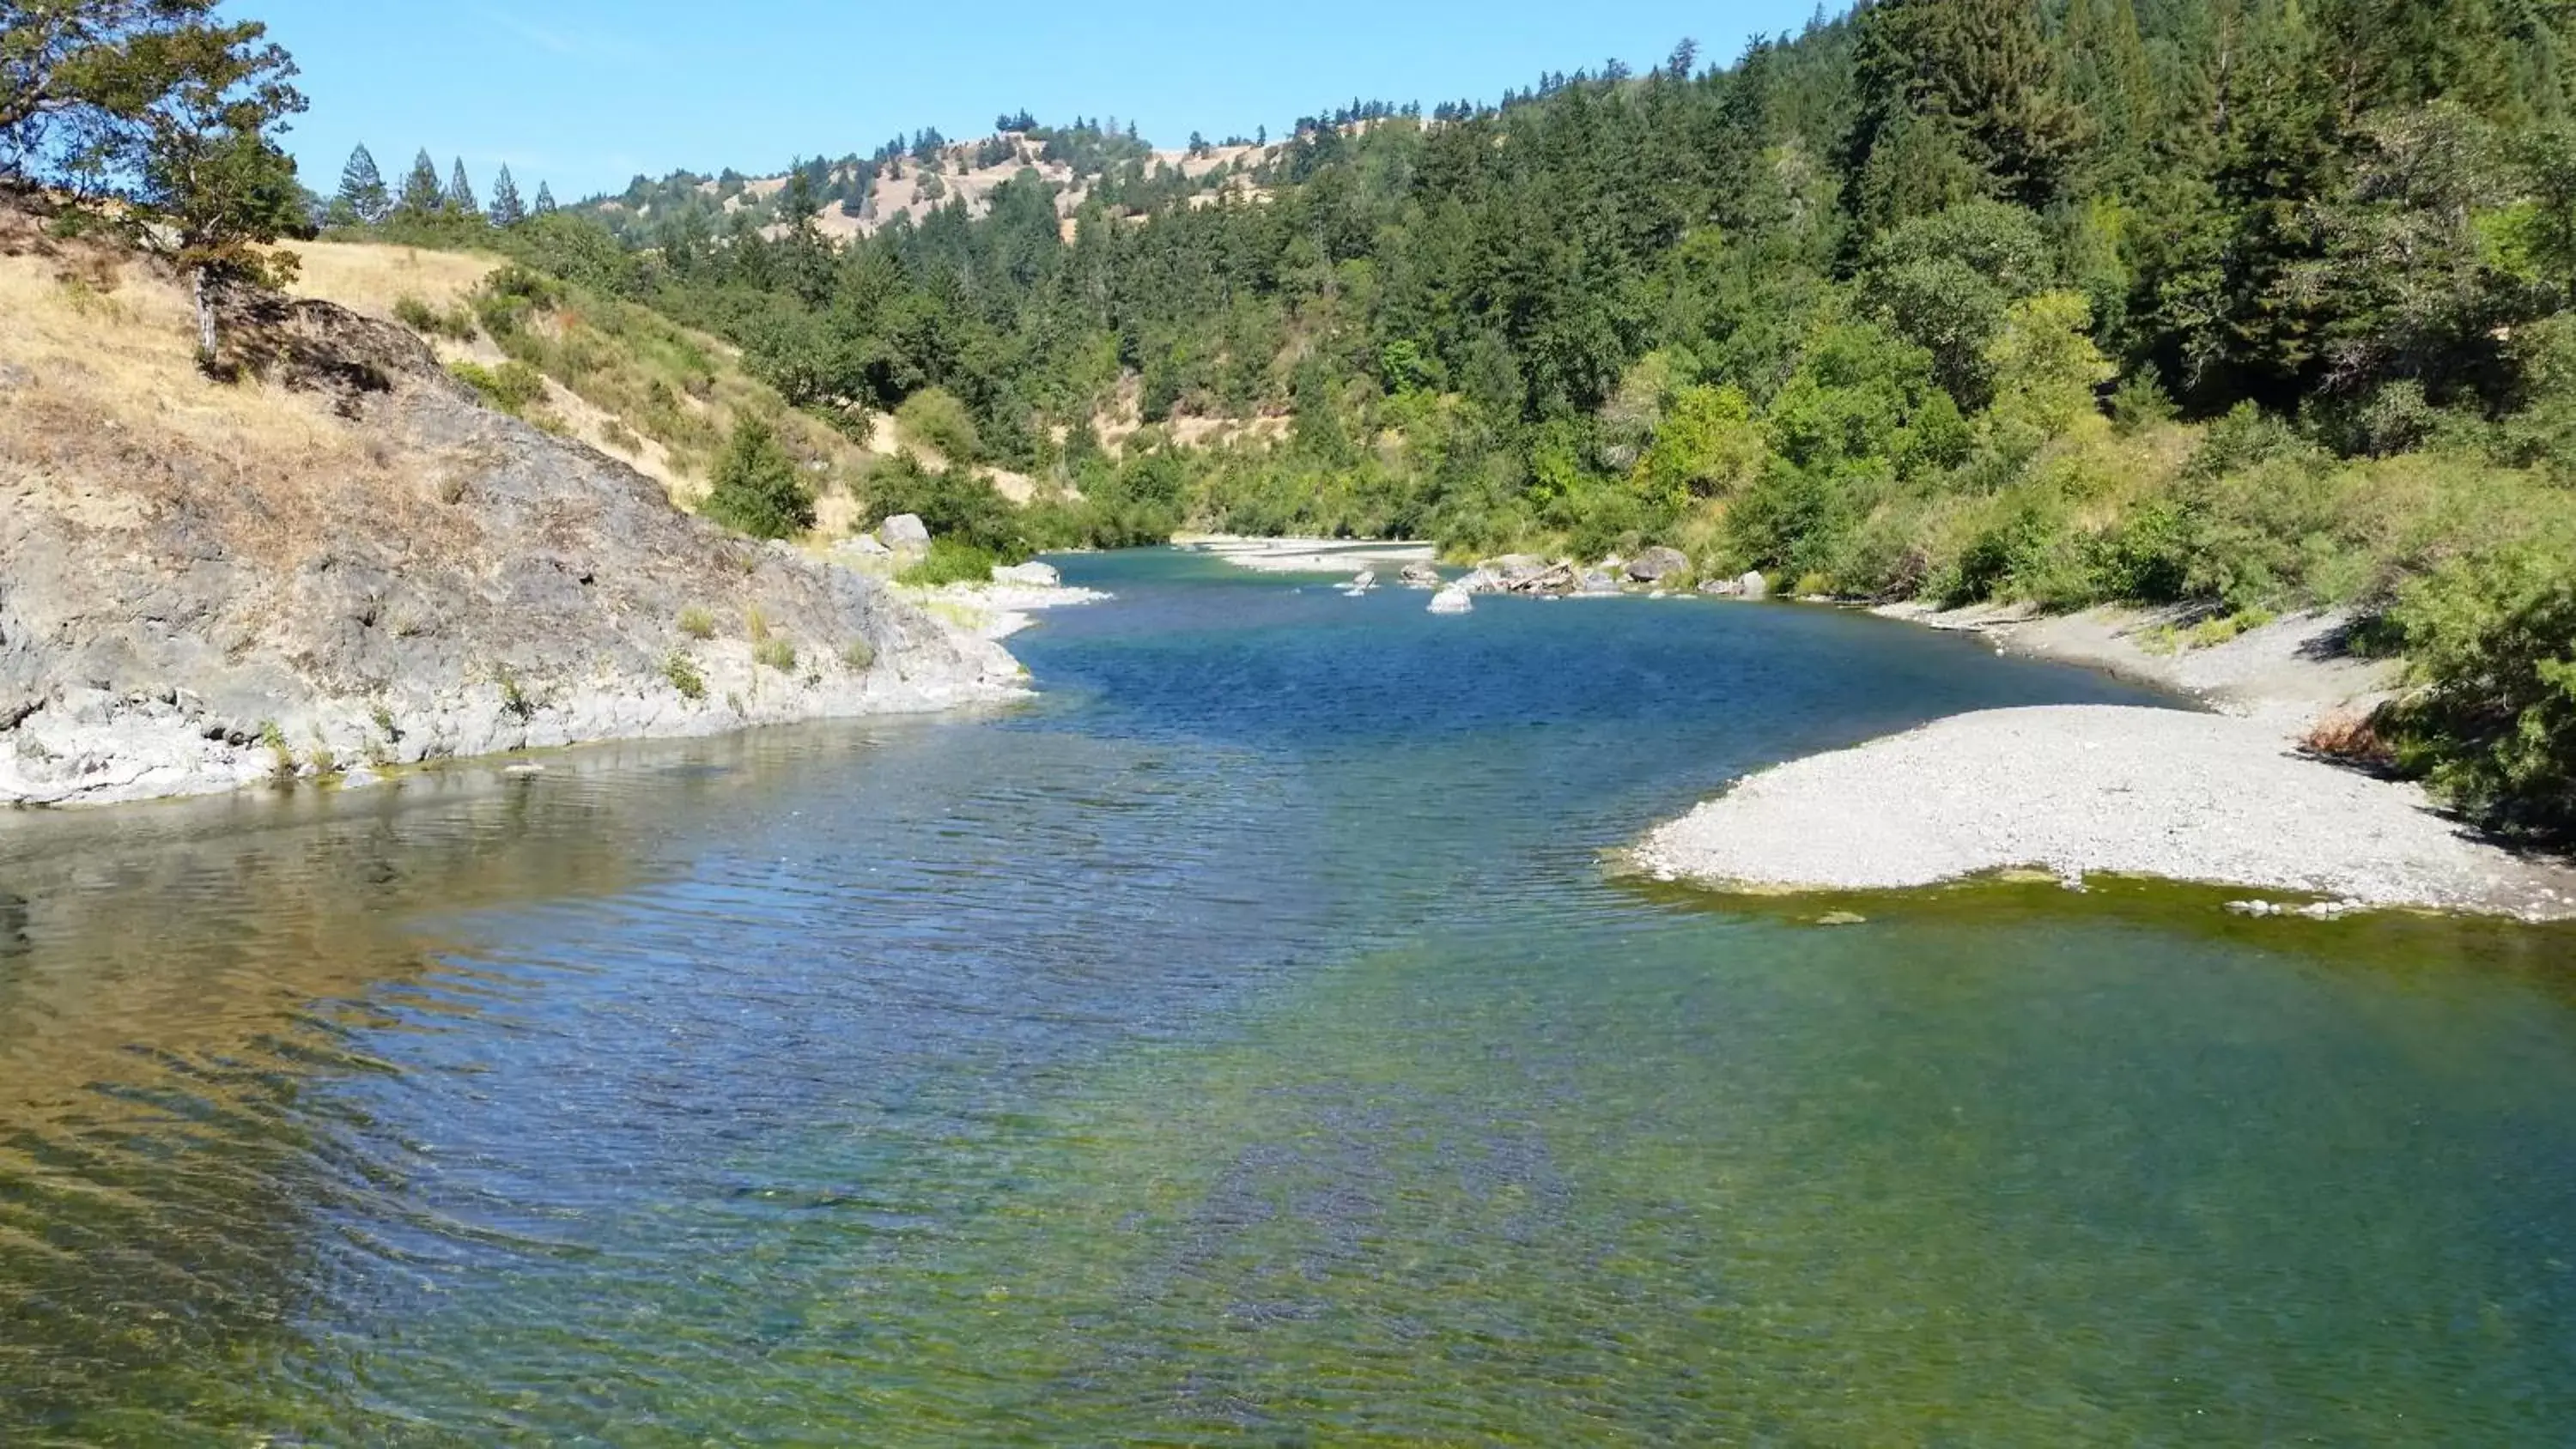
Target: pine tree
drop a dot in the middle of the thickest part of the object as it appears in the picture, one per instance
(362, 188)
(755, 489)
(421, 194)
(545, 200)
(506, 209)
(460, 192)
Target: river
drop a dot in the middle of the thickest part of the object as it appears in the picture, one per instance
(1242, 1041)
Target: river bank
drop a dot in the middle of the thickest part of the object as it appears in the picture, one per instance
(2230, 797)
(1307, 555)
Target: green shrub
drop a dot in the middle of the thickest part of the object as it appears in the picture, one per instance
(951, 561)
(2493, 643)
(457, 322)
(776, 651)
(935, 418)
(684, 676)
(858, 654)
(415, 314)
(756, 488)
(2140, 403)
(952, 504)
(697, 623)
(513, 387)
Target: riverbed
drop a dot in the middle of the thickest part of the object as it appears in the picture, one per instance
(1242, 1040)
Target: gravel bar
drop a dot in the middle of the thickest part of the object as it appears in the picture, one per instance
(2081, 789)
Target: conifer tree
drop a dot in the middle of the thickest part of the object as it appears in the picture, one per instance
(756, 489)
(460, 192)
(545, 200)
(506, 207)
(362, 188)
(421, 194)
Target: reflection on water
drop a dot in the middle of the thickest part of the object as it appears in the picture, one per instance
(1241, 1042)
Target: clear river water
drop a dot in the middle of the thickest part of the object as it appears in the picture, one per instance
(1243, 1042)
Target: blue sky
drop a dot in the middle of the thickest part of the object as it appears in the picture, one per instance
(586, 93)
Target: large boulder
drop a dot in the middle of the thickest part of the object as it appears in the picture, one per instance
(1028, 575)
(1658, 564)
(1753, 585)
(1480, 580)
(1452, 600)
(905, 533)
(1420, 575)
(1594, 581)
(1553, 579)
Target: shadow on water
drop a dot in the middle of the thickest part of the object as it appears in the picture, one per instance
(1243, 1042)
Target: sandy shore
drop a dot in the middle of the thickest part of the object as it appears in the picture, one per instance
(1310, 555)
(2224, 798)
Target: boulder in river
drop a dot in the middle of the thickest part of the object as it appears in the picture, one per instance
(1594, 581)
(1481, 580)
(1419, 575)
(1028, 575)
(1753, 585)
(1363, 581)
(905, 533)
(1658, 564)
(1452, 600)
(1558, 578)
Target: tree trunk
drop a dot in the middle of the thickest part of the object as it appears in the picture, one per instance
(205, 319)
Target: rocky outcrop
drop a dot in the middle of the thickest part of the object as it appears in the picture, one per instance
(1420, 575)
(1658, 564)
(169, 626)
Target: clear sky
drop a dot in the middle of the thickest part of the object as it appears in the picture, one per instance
(586, 93)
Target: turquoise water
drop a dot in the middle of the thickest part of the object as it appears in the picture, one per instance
(1242, 1043)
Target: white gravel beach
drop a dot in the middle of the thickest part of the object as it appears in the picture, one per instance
(2083, 789)
(1311, 555)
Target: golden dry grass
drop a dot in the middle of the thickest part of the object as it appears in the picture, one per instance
(370, 279)
(114, 415)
